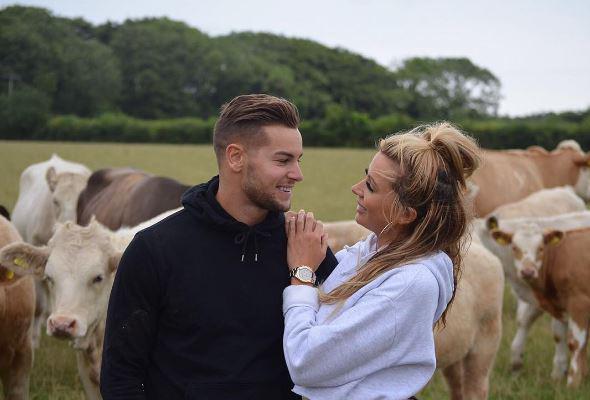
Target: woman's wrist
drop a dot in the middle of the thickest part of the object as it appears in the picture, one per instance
(295, 281)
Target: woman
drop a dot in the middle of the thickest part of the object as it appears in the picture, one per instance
(367, 333)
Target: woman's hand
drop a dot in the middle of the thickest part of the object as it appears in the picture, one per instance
(306, 240)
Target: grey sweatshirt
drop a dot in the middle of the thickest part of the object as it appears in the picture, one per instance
(379, 344)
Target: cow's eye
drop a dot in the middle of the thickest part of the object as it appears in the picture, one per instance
(48, 280)
(97, 279)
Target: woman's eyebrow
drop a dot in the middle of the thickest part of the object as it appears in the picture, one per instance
(370, 178)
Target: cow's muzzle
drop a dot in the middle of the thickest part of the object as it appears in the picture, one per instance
(62, 327)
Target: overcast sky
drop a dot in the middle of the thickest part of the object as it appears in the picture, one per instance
(540, 50)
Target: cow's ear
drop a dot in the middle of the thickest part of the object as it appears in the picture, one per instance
(24, 258)
(502, 238)
(51, 178)
(583, 160)
(552, 237)
(114, 260)
(492, 223)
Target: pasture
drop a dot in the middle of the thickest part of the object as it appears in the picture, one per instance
(329, 174)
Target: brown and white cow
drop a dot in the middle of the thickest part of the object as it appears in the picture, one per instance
(343, 233)
(546, 202)
(17, 307)
(119, 197)
(78, 265)
(556, 265)
(510, 175)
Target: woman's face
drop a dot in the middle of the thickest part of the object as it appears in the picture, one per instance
(374, 194)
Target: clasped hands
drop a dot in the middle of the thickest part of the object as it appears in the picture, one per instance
(306, 240)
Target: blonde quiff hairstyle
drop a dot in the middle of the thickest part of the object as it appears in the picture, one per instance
(434, 162)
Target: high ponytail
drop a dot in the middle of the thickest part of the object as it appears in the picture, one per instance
(434, 162)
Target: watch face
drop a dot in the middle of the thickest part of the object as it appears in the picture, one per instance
(305, 274)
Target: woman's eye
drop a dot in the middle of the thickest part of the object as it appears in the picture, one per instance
(369, 186)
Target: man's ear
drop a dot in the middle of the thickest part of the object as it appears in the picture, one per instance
(235, 154)
(24, 258)
(502, 238)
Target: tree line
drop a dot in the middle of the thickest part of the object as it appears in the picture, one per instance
(160, 80)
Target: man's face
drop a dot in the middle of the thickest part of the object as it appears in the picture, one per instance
(273, 169)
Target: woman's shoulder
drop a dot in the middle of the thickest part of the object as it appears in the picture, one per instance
(427, 274)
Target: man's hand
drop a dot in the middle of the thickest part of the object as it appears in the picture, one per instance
(306, 240)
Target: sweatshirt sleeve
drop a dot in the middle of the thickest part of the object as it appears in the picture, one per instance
(131, 324)
(326, 267)
(361, 339)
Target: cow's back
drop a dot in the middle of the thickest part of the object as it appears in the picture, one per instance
(107, 194)
(508, 176)
(152, 197)
(127, 197)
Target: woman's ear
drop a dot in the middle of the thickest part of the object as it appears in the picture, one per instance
(408, 216)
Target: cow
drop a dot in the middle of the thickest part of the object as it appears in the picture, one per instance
(48, 193)
(543, 203)
(510, 175)
(78, 265)
(556, 266)
(127, 197)
(466, 347)
(342, 233)
(17, 308)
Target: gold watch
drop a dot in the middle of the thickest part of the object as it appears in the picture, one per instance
(304, 274)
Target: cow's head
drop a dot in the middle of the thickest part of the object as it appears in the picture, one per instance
(65, 189)
(528, 245)
(583, 184)
(78, 266)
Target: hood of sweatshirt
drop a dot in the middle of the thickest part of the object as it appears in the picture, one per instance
(201, 203)
(439, 264)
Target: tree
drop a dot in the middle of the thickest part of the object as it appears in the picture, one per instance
(448, 88)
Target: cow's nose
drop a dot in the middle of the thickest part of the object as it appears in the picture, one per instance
(528, 273)
(62, 326)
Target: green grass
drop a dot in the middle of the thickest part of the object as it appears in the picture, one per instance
(329, 174)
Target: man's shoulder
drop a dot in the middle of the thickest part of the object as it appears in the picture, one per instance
(177, 224)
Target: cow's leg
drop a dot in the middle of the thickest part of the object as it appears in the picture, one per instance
(560, 359)
(15, 379)
(526, 314)
(578, 326)
(41, 312)
(89, 381)
(454, 376)
(477, 365)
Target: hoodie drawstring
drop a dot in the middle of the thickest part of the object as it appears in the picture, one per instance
(244, 236)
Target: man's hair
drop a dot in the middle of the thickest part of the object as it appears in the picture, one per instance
(242, 119)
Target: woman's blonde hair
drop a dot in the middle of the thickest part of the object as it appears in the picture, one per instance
(434, 162)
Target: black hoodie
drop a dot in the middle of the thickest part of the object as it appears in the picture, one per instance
(195, 309)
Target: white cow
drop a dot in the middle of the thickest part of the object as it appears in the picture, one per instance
(75, 259)
(528, 309)
(48, 193)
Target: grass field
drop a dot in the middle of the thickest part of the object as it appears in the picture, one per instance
(329, 173)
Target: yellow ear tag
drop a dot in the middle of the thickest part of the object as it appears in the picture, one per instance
(501, 241)
(9, 275)
(554, 240)
(21, 262)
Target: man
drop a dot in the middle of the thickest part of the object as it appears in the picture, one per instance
(195, 310)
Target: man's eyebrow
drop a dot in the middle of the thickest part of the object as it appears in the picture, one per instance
(287, 154)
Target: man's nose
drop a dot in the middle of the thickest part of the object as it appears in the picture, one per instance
(296, 173)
